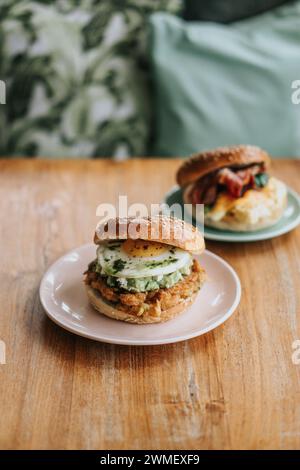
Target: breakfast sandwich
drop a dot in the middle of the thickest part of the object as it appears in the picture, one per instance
(144, 270)
(235, 186)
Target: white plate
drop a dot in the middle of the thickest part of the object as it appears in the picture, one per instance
(63, 296)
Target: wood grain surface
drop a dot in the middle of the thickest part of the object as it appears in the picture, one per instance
(233, 388)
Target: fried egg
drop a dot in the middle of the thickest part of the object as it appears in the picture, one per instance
(140, 258)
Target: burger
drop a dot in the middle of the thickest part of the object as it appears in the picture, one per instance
(144, 270)
(235, 186)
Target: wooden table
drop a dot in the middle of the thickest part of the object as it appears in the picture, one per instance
(235, 387)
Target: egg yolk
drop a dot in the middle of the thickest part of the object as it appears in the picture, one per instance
(143, 248)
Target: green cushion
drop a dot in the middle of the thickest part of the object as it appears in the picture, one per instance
(223, 85)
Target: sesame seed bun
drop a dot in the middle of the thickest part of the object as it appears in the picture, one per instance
(160, 228)
(203, 163)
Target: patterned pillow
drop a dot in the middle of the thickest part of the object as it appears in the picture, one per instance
(76, 77)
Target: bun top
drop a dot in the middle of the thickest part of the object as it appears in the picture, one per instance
(202, 163)
(160, 228)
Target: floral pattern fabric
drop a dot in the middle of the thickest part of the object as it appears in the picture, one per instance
(76, 77)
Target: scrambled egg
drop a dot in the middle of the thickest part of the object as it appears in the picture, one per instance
(254, 207)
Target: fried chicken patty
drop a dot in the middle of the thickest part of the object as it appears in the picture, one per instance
(156, 300)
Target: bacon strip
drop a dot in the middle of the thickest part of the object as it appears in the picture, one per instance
(232, 181)
(236, 181)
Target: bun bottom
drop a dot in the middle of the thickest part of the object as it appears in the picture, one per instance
(110, 311)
